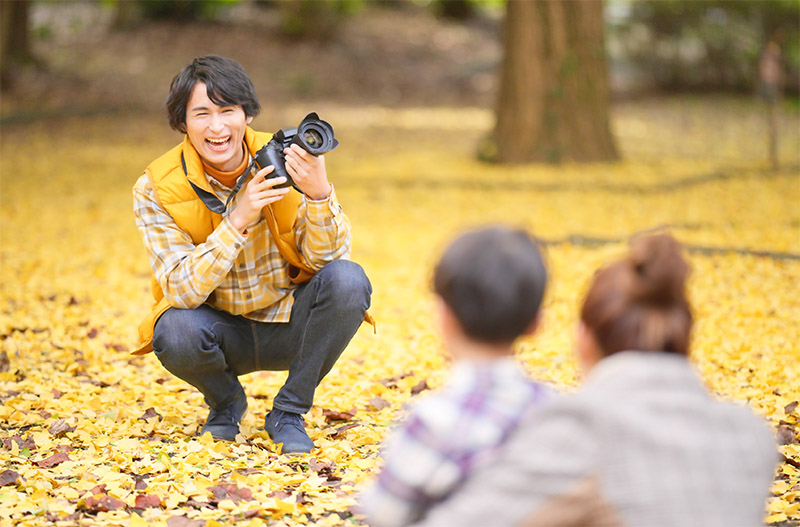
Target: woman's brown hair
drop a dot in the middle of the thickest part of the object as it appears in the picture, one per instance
(639, 303)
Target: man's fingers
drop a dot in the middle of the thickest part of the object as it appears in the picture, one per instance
(269, 192)
(295, 149)
(264, 171)
(260, 184)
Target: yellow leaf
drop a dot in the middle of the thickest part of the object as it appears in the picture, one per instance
(215, 472)
(137, 521)
(284, 506)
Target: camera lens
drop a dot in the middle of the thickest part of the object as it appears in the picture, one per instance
(314, 135)
(312, 138)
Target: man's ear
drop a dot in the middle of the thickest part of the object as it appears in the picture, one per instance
(249, 119)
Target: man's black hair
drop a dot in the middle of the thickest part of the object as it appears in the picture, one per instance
(493, 281)
(227, 84)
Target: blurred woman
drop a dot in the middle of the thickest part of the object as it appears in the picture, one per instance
(642, 443)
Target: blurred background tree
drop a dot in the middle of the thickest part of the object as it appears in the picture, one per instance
(15, 48)
(549, 68)
(553, 99)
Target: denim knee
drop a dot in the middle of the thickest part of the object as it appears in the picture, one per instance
(179, 338)
(347, 283)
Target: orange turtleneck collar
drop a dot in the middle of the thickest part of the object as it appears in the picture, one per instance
(226, 178)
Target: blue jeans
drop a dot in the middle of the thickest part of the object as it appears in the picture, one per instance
(209, 348)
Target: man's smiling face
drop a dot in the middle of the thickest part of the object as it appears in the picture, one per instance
(215, 131)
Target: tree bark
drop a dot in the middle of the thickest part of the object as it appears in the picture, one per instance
(14, 44)
(553, 102)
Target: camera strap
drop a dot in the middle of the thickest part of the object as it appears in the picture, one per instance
(210, 200)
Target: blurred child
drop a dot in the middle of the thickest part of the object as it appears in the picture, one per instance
(489, 285)
(642, 443)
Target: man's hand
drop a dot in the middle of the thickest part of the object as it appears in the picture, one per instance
(258, 193)
(308, 172)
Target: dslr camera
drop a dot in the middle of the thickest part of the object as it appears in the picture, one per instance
(313, 135)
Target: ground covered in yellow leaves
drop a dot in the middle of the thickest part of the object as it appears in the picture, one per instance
(92, 435)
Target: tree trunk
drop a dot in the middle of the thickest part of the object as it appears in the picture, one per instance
(553, 100)
(454, 9)
(14, 45)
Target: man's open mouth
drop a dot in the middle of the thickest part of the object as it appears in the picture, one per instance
(218, 143)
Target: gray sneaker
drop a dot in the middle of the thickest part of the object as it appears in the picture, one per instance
(287, 428)
(224, 424)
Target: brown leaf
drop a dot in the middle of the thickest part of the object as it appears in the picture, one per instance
(421, 386)
(60, 428)
(790, 461)
(55, 459)
(92, 333)
(231, 492)
(141, 484)
(786, 435)
(324, 470)
(333, 415)
(56, 394)
(378, 403)
(21, 443)
(183, 521)
(9, 477)
(9, 394)
(117, 347)
(98, 489)
(280, 494)
(150, 412)
(103, 503)
(193, 503)
(5, 362)
(342, 429)
(144, 501)
(789, 408)
(302, 497)
(317, 465)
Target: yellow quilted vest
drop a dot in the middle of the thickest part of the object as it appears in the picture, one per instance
(178, 198)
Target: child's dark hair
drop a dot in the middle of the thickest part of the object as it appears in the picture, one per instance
(639, 303)
(493, 281)
(227, 84)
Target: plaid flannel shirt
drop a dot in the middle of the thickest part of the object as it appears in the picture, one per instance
(641, 444)
(241, 274)
(446, 435)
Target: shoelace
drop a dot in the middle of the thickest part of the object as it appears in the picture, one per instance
(289, 419)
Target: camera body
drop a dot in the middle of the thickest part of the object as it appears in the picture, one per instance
(313, 135)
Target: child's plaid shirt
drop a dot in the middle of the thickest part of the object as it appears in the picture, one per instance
(445, 436)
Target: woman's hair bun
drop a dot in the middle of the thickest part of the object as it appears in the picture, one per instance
(658, 270)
